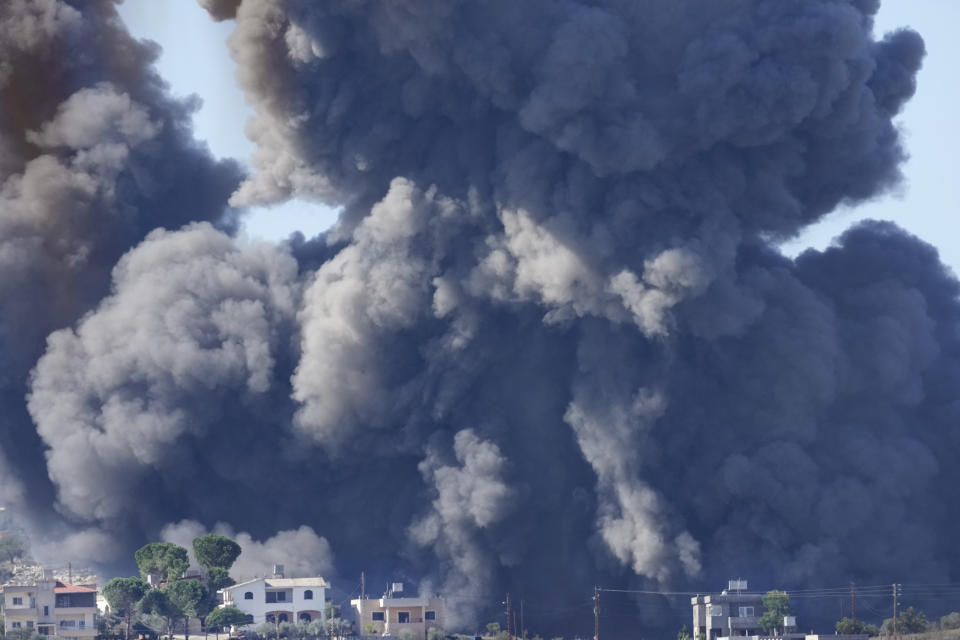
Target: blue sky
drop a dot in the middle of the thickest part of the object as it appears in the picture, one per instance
(195, 60)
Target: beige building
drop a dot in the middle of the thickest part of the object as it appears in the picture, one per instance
(52, 608)
(398, 616)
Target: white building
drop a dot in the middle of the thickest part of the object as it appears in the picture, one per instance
(397, 615)
(278, 599)
(52, 608)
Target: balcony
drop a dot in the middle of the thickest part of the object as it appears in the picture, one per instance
(744, 622)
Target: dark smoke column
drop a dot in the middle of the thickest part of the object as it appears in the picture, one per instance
(550, 342)
(93, 155)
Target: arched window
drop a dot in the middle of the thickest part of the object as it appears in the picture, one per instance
(305, 617)
(248, 595)
(308, 595)
(270, 618)
(283, 617)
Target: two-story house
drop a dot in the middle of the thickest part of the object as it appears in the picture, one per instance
(52, 608)
(398, 615)
(734, 612)
(278, 599)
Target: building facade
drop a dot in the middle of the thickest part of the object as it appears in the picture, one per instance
(52, 608)
(733, 612)
(278, 600)
(399, 616)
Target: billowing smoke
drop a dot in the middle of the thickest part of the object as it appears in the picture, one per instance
(93, 155)
(301, 552)
(550, 342)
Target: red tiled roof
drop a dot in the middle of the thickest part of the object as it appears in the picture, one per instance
(63, 587)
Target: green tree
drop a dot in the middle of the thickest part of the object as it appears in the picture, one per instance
(225, 617)
(338, 628)
(493, 628)
(107, 624)
(776, 605)
(683, 634)
(156, 603)
(163, 558)
(189, 598)
(12, 548)
(331, 611)
(218, 578)
(123, 594)
(213, 550)
(910, 620)
(950, 621)
(434, 633)
(853, 626)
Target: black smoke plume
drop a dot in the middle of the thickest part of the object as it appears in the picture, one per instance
(550, 342)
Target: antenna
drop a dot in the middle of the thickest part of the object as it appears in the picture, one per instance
(895, 591)
(509, 627)
(596, 613)
(362, 586)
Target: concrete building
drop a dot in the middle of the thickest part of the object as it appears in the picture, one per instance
(397, 615)
(52, 608)
(278, 599)
(733, 612)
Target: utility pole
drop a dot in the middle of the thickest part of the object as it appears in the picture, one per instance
(853, 600)
(523, 628)
(509, 626)
(895, 590)
(596, 613)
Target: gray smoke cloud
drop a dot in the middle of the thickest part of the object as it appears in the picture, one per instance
(301, 551)
(549, 343)
(220, 9)
(93, 155)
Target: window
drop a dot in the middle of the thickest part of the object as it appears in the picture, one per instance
(308, 595)
(283, 617)
(68, 624)
(29, 624)
(746, 612)
(276, 596)
(270, 618)
(46, 610)
(306, 617)
(403, 617)
(248, 595)
(377, 615)
(18, 602)
(71, 600)
(430, 615)
(16, 625)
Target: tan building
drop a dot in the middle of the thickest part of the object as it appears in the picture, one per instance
(52, 608)
(398, 616)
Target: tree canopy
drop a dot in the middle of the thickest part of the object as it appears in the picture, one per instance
(910, 620)
(188, 597)
(218, 578)
(223, 617)
(776, 605)
(950, 621)
(12, 547)
(853, 626)
(214, 550)
(163, 558)
(124, 594)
